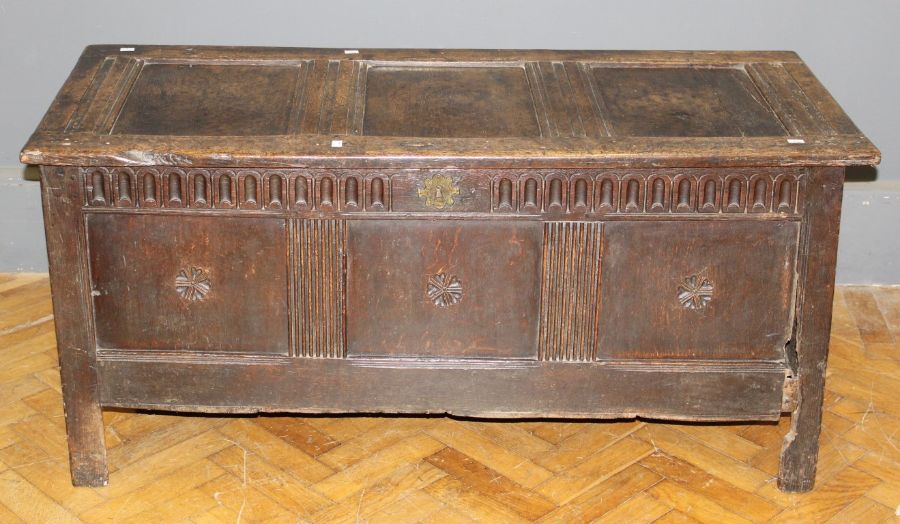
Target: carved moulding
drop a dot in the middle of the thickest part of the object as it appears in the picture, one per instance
(650, 192)
(599, 192)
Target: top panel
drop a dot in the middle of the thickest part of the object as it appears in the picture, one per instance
(684, 101)
(449, 102)
(209, 99)
(217, 106)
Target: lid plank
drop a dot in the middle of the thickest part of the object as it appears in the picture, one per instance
(216, 106)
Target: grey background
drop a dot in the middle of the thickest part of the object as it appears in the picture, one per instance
(851, 46)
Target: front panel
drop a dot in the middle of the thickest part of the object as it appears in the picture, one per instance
(189, 283)
(448, 288)
(697, 290)
(684, 277)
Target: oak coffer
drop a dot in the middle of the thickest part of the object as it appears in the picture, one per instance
(480, 233)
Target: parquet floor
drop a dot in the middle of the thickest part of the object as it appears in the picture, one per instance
(167, 468)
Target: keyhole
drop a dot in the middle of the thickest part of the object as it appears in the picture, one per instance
(438, 193)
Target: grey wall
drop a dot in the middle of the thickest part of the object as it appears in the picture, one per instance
(850, 45)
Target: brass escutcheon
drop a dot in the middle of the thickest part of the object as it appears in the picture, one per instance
(438, 191)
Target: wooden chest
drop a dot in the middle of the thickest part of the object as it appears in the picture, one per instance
(481, 233)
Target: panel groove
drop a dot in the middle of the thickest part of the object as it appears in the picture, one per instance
(539, 98)
(319, 283)
(570, 291)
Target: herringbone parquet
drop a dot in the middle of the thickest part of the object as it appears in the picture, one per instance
(167, 468)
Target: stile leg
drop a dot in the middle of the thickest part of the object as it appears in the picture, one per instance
(61, 195)
(818, 242)
(84, 419)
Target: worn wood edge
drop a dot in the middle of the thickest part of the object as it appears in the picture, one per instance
(462, 215)
(660, 416)
(637, 365)
(315, 151)
(724, 57)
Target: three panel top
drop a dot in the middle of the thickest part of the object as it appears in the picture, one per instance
(233, 106)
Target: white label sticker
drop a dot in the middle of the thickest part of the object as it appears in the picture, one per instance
(796, 141)
(337, 143)
(124, 49)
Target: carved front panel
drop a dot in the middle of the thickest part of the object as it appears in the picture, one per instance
(699, 290)
(189, 283)
(364, 285)
(445, 288)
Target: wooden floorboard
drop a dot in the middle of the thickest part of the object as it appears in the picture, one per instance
(170, 468)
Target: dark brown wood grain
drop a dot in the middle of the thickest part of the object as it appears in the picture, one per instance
(485, 233)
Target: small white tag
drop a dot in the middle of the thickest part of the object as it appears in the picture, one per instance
(337, 143)
(351, 51)
(124, 49)
(796, 141)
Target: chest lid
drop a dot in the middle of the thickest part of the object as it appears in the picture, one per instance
(232, 106)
